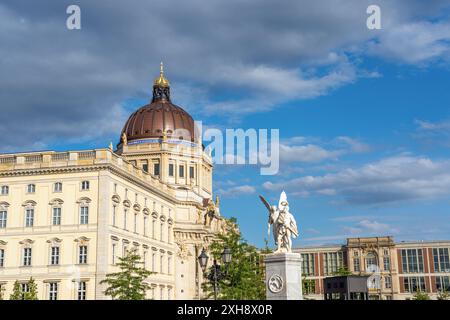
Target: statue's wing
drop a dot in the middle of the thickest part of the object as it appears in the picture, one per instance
(265, 202)
(293, 226)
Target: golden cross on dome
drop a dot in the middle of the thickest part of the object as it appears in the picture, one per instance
(161, 80)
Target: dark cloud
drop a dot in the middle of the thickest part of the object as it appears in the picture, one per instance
(57, 84)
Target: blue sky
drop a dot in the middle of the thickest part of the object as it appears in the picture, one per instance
(364, 115)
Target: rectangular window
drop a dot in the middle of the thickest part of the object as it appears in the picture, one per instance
(29, 217)
(145, 167)
(145, 226)
(125, 219)
(82, 290)
(161, 263)
(309, 287)
(113, 254)
(181, 171)
(85, 185)
(56, 219)
(135, 223)
(114, 216)
(153, 229)
(357, 264)
(192, 172)
(84, 215)
(144, 258)
(332, 262)
(387, 263)
(171, 173)
(24, 288)
(3, 218)
(156, 169)
(414, 284)
(443, 284)
(2, 258)
(153, 262)
(54, 258)
(31, 188)
(412, 260)
(169, 265)
(441, 260)
(82, 257)
(308, 264)
(4, 190)
(26, 257)
(53, 291)
(161, 233)
(388, 282)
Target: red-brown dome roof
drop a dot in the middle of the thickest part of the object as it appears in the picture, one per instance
(151, 120)
(160, 117)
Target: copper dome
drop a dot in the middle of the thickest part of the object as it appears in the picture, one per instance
(151, 120)
(159, 117)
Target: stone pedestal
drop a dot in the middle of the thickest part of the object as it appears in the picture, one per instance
(284, 276)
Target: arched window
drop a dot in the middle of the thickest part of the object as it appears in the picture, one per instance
(3, 214)
(4, 191)
(31, 188)
(57, 187)
(84, 185)
(371, 262)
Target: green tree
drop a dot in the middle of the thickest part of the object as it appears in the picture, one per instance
(30, 294)
(17, 292)
(32, 290)
(421, 296)
(443, 295)
(244, 278)
(2, 292)
(342, 271)
(128, 283)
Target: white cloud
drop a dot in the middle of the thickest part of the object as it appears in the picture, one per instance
(414, 43)
(298, 149)
(392, 179)
(236, 191)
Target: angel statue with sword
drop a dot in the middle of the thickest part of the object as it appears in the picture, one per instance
(283, 222)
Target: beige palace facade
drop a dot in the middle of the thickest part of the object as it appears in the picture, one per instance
(66, 217)
(398, 269)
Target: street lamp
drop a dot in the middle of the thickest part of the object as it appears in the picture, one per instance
(203, 260)
(216, 275)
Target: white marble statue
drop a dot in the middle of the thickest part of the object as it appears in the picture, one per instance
(283, 222)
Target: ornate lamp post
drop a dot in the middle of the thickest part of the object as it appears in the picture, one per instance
(216, 274)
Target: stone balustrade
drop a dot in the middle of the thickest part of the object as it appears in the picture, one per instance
(52, 159)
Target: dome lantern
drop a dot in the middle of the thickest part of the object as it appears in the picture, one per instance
(161, 86)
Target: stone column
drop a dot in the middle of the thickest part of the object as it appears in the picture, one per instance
(284, 276)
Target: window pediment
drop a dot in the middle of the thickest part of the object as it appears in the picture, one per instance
(127, 203)
(26, 241)
(116, 199)
(56, 202)
(84, 200)
(29, 203)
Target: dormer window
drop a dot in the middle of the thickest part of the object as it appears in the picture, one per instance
(31, 188)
